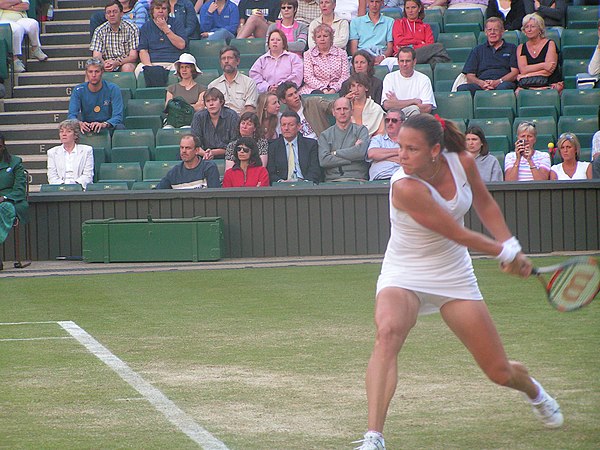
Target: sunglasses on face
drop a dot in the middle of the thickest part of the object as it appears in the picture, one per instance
(391, 119)
(287, 7)
(243, 149)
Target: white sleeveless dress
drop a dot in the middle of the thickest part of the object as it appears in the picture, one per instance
(419, 259)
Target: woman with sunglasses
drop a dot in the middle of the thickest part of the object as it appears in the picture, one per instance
(571, 168)
(525, 163)
(295, 32)
(247, 170)
(13, 192)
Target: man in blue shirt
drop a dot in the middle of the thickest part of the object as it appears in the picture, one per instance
(219, 19)
(373, 33)
(162, 39)
(492, 65)
(194, 172)
(96, 103)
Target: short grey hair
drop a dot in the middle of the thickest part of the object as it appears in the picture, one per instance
(94, 62)
(71, 124)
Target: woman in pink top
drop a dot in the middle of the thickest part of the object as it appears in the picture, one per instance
(277, 65)
(411, 31)
(295, 32)
(325, 66)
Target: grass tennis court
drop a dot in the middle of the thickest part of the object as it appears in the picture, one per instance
(274, 358)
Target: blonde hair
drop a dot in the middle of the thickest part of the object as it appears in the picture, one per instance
(538, 21)
(569, 137)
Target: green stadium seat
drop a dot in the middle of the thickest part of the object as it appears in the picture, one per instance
(494, 127)
(154, 122)
(534, 103)
(248, 60)
(582, 16)
(425, 69)
(460, 124)
(100, 140)
(61, 188)
(462, 16)
(144, 185)
(436, 29)
(578, 43)
(4, 61)
(576, 98)
(447, 73)
(221, 166)
(249, 45)
(200, 48)
(499, 144)
(580, 110)
(139, 154)
(151, 92)
(120, 172)
(434, 16)
(458, 40)
(495, 103)
(145, 107)
(166, 153)
(394, 13)
(156, 170)
(499, 155)
(133, 138)
(125, 80)
(381, 71)
(170, 136)
(543, 125)
(99, 158)
(453, 105)
(108, 186)
(207, 76)
(211, 63)
(583, 126)
(570, 69)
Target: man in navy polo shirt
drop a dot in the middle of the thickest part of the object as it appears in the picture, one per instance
(162, 39)
(492, 65)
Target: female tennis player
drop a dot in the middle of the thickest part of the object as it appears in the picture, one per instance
(427, 267)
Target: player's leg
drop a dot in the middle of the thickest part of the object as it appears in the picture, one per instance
(472, 323)
(396, 313)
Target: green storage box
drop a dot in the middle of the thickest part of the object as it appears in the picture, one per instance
(114, 240)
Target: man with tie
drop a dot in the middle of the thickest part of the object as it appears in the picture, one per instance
(293, 157)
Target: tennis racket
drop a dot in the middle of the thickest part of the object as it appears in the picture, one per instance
(573, 283)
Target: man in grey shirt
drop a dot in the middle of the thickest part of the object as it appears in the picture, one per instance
(343, 146)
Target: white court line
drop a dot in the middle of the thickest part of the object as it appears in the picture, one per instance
(26, 323)
(35, 339)
(159, 400)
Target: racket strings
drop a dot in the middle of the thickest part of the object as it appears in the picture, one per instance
(574, 286)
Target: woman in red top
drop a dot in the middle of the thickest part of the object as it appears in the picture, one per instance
(247, 170)
(412, 32)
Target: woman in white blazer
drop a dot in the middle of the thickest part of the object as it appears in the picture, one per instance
(70, 162)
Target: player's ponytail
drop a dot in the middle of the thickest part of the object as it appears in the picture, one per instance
(438, 131)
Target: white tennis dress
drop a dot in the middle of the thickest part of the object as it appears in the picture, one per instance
(420, 259)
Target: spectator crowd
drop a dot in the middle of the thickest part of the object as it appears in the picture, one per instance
(316, 106)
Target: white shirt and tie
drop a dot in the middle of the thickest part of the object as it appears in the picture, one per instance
(294, 171)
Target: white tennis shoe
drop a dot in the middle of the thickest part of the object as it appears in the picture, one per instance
(371, 441)
(548, 412)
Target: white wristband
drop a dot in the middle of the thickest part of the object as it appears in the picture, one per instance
(510, 250)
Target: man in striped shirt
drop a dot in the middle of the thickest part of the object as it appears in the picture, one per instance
(115, 42)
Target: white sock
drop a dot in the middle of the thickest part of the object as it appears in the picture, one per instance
(374, 432)
(541, 392)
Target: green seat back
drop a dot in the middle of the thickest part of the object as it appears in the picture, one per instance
(494, 127)
(133, 138)
(61, 188)
(452, 105)
(156, 170)
(120, 172)
(139, 154)
(108, 186)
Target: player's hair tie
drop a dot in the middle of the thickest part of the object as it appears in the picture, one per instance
(441, 121)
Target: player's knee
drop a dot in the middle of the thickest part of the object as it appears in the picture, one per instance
(392, 335)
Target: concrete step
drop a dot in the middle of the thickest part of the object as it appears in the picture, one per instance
(35, 162)
(30, 117)
(65, 4)
(64, 14)
(59, 77)
(36, 104)
(67, 51)
(52, 90)
(57, 64)
(66, 26)
(65, 38)
(32, 147)
(41, 131)
(38, 177)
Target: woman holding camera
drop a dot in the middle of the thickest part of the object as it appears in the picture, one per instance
(525, 163)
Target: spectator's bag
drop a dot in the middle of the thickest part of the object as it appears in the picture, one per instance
(155, 76)
(533, 82)
(179, 113)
